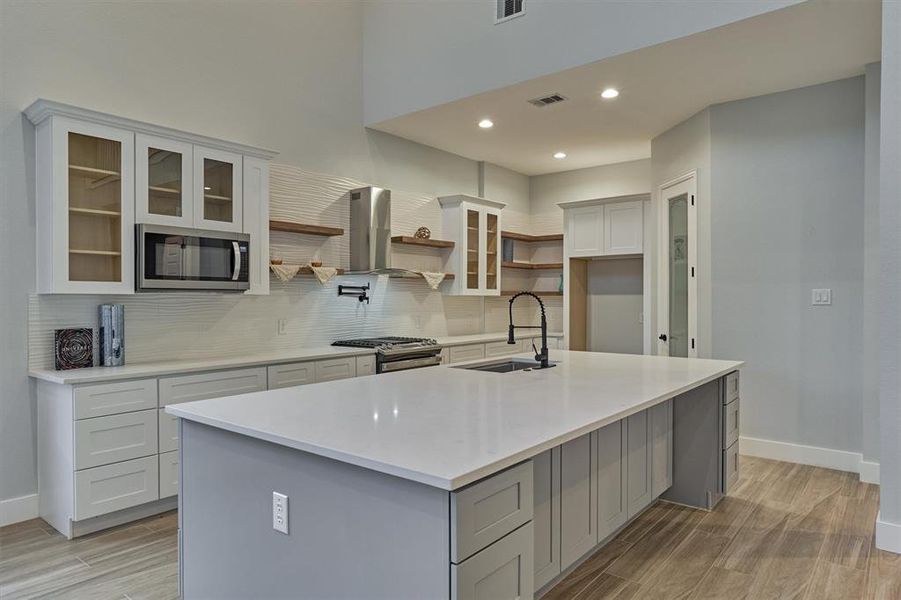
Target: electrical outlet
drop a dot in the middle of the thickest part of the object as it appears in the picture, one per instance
(282, 326)
(280, 512)
(821, 297)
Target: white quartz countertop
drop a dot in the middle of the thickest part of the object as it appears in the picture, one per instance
(448, 427)
(156, 369)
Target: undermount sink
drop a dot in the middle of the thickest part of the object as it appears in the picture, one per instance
(503, 366)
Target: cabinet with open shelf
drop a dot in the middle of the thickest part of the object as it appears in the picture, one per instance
(474, 225)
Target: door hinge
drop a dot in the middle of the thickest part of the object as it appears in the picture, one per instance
(692, 271)
(692, 199)
(692, 343)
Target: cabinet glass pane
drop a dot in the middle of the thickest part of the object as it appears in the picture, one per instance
(217, 190)
(164, 182)
(678, 276)
(491, 252)
(472, 249)
(95, 209)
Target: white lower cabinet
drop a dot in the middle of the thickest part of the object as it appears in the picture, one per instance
(168, 474)
(113, 487)
(289, 375)
(502, 348)
(546, 518)
(661, 440)
(366, 365)
(187, 388)
(612, 479)
(467, 352)
(336, 368)
(578, 499)
(502, 571)
(638, 463)
(114, 438)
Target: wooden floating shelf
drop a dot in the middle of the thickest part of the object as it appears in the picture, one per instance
(532, 266)
(95, 252)
(414, 241)
(95, 212)
(537, 292)
(524, 237)
(303, 228)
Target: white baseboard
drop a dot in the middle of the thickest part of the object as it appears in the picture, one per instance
(888, 535)
(841, 460)
(19, 509)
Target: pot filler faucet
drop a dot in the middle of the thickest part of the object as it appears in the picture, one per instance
(542, 356)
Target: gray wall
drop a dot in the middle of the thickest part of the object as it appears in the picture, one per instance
(286, 76)
(615, 305)
(870, 356)
(788, 216)
(421, 54)
(890, 282)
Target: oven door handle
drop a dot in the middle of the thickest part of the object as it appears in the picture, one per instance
(237, 270)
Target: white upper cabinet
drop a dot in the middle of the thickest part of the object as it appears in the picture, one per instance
(218, 192)
(164, 172)
(85, 211)
(474, 224)
(604, 227)
(99, 175)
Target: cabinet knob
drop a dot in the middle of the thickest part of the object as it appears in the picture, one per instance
(662, 337)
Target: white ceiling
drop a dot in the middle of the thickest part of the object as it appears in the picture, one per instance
(660, 86)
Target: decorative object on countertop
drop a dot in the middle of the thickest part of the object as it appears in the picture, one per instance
(423, 233)
(73, 348)
(433, 279)
(323, 274)
(112, 335)
(357, 291)
(507, 249)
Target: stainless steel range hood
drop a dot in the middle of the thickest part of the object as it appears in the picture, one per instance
(370, 233)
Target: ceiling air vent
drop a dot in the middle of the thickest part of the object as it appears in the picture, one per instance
(547, 100)
(507, 9)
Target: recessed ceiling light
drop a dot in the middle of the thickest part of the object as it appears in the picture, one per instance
(610, 93)
(559, 155)
(486, 123)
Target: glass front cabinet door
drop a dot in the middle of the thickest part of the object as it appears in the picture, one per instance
(85, 208)
(164, 194)
(218, 199)
(475, 225)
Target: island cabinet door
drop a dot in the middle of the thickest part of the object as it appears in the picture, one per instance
(661, 435)
(502, 571)
(546, 519)
(638, 463)
(611, 452)
(578, 499)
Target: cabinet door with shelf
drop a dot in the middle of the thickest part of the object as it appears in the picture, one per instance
(163, 181)
(492, 256)
(92, 208)
(473, 250)
(218, 191)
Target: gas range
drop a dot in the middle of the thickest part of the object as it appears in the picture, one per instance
(394, 353)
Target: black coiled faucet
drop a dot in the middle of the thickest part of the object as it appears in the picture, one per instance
(542, 356)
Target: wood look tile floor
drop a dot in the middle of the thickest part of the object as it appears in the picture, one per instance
(787, 531)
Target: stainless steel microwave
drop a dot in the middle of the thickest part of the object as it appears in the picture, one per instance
(182, 259)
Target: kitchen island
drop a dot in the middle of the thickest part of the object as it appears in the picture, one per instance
(443, 482)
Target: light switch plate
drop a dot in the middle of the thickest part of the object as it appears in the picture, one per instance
(821, 297)
(282, 326)
(280, 512)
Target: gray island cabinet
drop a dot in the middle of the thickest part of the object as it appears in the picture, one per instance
(444, 483)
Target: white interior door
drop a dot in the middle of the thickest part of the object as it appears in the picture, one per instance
(677, 299)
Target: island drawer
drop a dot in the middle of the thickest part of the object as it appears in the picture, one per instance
(467, 352)
(187, 388)
(732, 387)
(289, 375)
(730, 467)
(731, 423)
(336, 368)
(488, 510)
(503, 570)
(114, 398)
(168, 474)
(109, 488)
(115, 438)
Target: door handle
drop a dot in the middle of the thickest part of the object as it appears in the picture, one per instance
(662, 337)
(237, 270)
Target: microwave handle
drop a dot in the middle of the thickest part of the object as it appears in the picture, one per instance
(237, 270)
